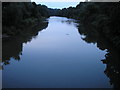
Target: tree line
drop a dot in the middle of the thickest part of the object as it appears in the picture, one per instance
(18, 15)
(103, 16)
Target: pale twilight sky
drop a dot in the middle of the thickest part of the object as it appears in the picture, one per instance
(58, 4)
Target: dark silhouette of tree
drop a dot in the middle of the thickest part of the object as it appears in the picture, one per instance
(16, 15)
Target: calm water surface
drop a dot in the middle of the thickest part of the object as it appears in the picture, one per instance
(57, 57)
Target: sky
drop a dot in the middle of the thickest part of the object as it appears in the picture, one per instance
(58, 4)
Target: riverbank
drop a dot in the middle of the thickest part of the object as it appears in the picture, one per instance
(27, 29)
(20, 29)
(104, 17)
(16, 16)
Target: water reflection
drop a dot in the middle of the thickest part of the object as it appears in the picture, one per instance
(112, 61)
(64, 20)
(13, 47)
(61, 57)
(112, 58)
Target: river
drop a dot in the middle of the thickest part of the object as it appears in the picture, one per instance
(55, 57)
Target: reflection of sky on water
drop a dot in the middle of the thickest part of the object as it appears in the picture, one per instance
(58, 57)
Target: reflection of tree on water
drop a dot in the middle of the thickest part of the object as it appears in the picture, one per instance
(69, 22)
(12, 47)
(112, 58)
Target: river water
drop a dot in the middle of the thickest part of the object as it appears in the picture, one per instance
(57, 57)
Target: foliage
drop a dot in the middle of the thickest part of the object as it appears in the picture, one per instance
(16, 15)
(102, 16)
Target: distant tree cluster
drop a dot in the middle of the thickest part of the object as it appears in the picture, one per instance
(16, 15)
(54, 12)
